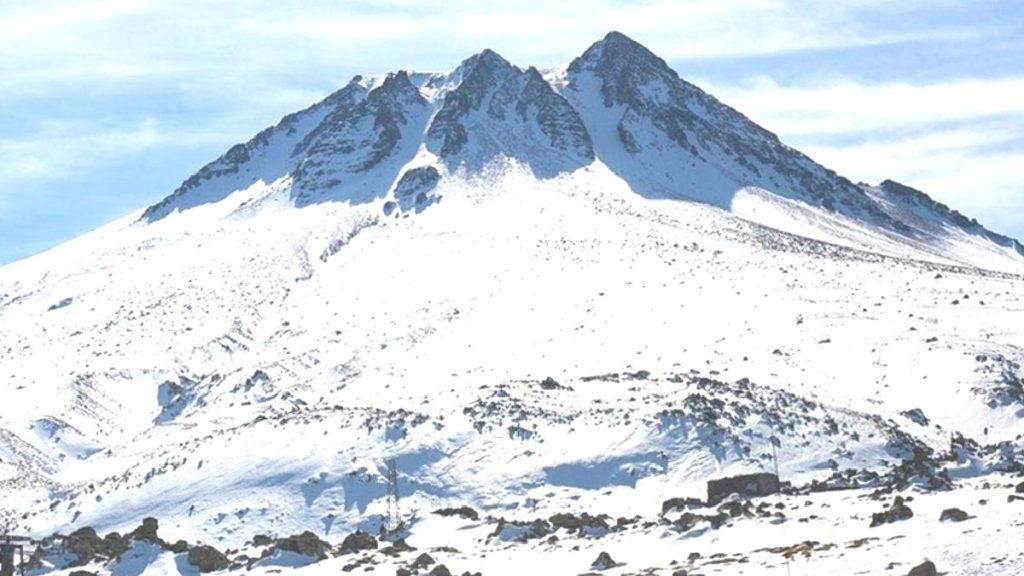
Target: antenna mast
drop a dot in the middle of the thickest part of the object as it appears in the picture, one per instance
(394, 519)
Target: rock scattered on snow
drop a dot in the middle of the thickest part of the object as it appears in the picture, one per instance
(925, 569)
(953, 515)
(207, 559)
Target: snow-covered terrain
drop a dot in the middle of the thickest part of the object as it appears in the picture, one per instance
(544, 295)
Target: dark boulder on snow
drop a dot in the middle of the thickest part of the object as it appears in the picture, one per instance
(440, 570)
(673, 504)
(916, 415)
(358, 541)
(147, 531)
(604, 562)
(207, 559)
(423, 560)
(308, 544)
(925, 569)
(897, 512)
(463, 511)
(953, 515)
(85, 544)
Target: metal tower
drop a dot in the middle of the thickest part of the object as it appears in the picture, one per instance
(394, 519)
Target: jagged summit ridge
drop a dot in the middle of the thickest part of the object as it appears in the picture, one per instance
(617, 105)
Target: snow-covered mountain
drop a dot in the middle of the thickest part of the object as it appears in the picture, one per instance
(543, 293)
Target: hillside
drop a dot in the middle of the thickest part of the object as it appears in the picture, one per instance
(587, 290)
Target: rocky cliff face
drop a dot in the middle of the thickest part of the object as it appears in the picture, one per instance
(643, 95)
(495, 108)
(396, 138)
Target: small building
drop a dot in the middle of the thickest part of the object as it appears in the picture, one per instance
(748, 485)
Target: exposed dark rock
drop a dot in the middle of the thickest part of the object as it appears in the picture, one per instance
(673, 504)
(581, 523)
(521, 531)
(550, 383)
(308, 544)
(897, 512)
(463, 511)
(440, 570)
(423, 560)
(762, 484)
(916, 416)
(396, 548)
(115, 544)
(953, 515)
(85, 544)
(604, 562)
(207, 559)
(179, 547)
(262, 540)
(147, 531)
(358, 541)
(925, 569)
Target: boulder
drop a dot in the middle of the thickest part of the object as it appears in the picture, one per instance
(423, 560)
(1020, 488)
(953, 515)
(463, 511)
(358, 541)
(681, 504)
(115, 544)
(308, 544)
(179, 547)
(440, 570)
(85, 544)
(925, 569)
(897, 512)
(147, 531)
(207, 559)
(604, 561)
(398, 547)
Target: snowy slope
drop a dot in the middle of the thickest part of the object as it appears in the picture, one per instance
(472, 274)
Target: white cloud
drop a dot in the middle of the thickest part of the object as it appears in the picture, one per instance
(63, 41)
(845, 106)
(960, 141)
(59, 148)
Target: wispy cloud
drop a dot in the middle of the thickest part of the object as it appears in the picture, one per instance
(845, 106)
(961, 141)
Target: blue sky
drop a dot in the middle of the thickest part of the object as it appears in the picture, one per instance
(107, 105)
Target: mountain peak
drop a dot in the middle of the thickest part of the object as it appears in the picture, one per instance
(486, 60)
(623, 66)
(616, 50)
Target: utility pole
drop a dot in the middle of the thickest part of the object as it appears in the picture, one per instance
(394, 520)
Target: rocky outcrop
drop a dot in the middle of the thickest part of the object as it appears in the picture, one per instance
(463, 511)
(207, 559)
(604, 562)
(927, 568)
(307, 544)
(358, 541)
(953, 515)
(499, 109)
(897, 512)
